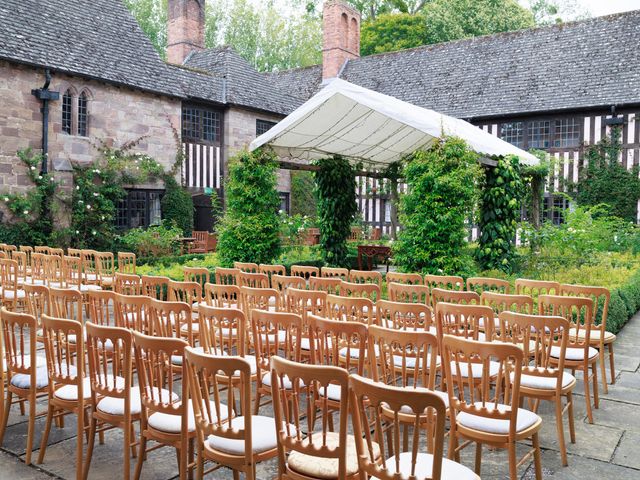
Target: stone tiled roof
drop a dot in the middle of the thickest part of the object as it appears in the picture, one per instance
(300, 82)
(571, 66)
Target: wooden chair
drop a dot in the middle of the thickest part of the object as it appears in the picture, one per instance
(54, 271)
(501, 302)
(482, 284)
(259, 298)
(304, 271)
(23, 267)
(101, 307)
(105, 265)
(276, 334)
(28, 251)
(38, 304)
(366, 290)
(74, 252)
(74, 275)
(488, 414)
(454, 296)
(127, 263)
(330, 285)
(540, 380)
(304, 303)
(253, 280)
(282, 283)
(473, 322)
(227, 296)
(66, 303)
(24, 378)
(223, 331)
(600, 338)
(187, 292)
(444, 282)
(90, 268)
(580, 355)
(41, 249)
(173, 319)
(199, 275)
(405, 316)
(352, 309)
(334, 272)
(155, 286)
(391, 409)
(11, 296)
(366, 276)
(318, 453)
(226, 276)
(117, 402)
(133, 312)
(247, 267)
(408, 293)
(69, 390)
(404, 278)
(199, 245)
(38, 272)
(534, 288)
(127, 284)
(167, 416)
(271, 270)
(238, 442)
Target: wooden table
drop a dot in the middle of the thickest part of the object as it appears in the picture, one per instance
(372, 252)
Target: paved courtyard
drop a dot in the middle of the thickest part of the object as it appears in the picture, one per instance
(604, 450)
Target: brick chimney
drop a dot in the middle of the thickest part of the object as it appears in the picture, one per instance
(341, 36)
(185, 29)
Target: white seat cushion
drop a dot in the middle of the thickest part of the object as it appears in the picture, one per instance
(594, 335)
(173, 423)
(424, 465)
(545, 383)
(263, 436)
(115, 406)
(195, 326)
(355, 352)
(177, 359)
(333, 392)
(327, 468)
(524, 420)
(70, 392)
(11, 294)
(573, 353)
(90, 288)
(40, 361)
(266, 381)
(410, 362)
(476, 369)
(271, 337)
(23, 380)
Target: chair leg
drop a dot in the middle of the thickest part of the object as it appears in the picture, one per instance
(536, 456)
(132, 440)
(80, 441)
(256, 405)
(141, 454)
(92, 439)
(587, 392)
(612, 368)
(127, 448)
(478, 458)
(596, 398)
(5, 416)
(31, 428)
(513, 462)
(182, 456)
(603, 372)
(572, 428)
(560, 429)
(199, 460)
(45, 434)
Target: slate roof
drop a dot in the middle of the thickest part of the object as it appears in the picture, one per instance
(563, 67)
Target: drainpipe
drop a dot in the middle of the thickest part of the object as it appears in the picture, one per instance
(45, 95)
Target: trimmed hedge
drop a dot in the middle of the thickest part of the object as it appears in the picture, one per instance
(625, 302)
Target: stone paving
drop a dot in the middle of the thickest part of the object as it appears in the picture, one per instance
(604, 450)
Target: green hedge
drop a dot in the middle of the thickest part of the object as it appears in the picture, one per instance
(625, 302)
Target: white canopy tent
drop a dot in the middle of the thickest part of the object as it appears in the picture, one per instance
(363, 125)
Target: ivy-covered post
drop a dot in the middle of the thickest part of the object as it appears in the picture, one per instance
(536, 176)
(393, 173)
(500, 204)
(337, 207)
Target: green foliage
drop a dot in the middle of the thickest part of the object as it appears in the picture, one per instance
(249, 229)
(442, 192)
(606, 181)
(177, 206)
(535, 176)
(293, 228)
(303, 198)
(501, 191)
(336, 191)
(392, 31)
(155, 241)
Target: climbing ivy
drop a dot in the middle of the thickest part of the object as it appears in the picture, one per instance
(501, 191)
(441, 194)
(337, 207)
(534, 176)
(177, 206)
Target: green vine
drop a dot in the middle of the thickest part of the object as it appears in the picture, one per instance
(337, 207)
(501, 191)
(535, 176)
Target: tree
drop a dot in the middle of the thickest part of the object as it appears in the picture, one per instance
(152, 17)
(548, 12)
(392, 31)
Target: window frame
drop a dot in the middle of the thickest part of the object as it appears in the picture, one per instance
(200, 111)
(148, 193)
(554, 139)
(67, 111)
(82, 122)
(261, 124)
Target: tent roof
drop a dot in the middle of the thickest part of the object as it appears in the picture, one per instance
(363, 125)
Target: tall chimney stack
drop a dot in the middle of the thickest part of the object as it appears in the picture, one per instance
(185, 29)
(340, 36)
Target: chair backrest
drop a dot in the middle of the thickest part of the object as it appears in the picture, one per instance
(577, 310)
(9, 278)
(247, 267)
(366, 290)
(127, 263)
(65, 359)
(41, 249)
(601, 297)
(73, 274)
(89, 266)
(389, 409)
(223, 330)
(38, 267)
(501, 302)
(56, 251)
(54, 270)
(403, 358)
(409, 293)
(454, 296)
(305, 302)
(534, 288)
(292, 417)
(482, 284)
(404, 316)
(366, 276)
(187, 292)
(19, 338)
(253, 280)
(66, 303)
(133, 312)
(282, 283)
(271, 270)
(444, 282)
(275, 334)
(155, 286)
(201, 237)
(222, 296)
(156, 368)
(475, 322)
(338, 343)
(199, 275)
(74, 252)
(499, 367)
(538, 336)
(305, 271)
(171, 319)
(105, 265)
(258, 298)
(226, 276)
(101, 308)
(404, 278)
(28, 251)
(21, 260)
(110, 368)
(334, 272)
(127, 284)
(326, 284)
(353, 309)
(38, 302)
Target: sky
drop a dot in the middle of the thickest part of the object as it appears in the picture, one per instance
(605, 7)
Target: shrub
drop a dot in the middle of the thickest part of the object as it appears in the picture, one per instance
(154, 241)
(441, 194)
(249, 229)
(177, 206)
(618, 313)
(303, 199)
